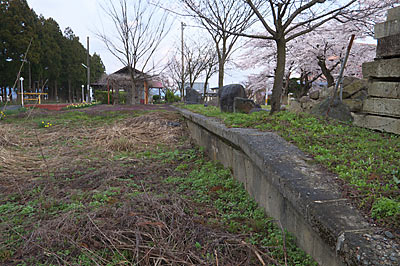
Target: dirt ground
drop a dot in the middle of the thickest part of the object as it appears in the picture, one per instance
(90, 189)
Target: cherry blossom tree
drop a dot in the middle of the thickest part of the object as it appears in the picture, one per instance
(287, 20)
(313, 57)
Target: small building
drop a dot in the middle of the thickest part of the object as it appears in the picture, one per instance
(121, 81)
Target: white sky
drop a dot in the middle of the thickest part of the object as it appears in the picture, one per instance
(86, 17)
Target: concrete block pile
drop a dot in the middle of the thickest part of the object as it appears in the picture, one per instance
(381, 110)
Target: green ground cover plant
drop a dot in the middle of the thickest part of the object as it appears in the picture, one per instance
(76, 198)
(368, 161)
(210, 183)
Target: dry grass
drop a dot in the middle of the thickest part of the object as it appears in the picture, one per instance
(138, 133)
(61, 178)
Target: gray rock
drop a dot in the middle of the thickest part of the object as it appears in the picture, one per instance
(193, 97)
(326, 92)
(350, 90)
(338, 110)
(295, 107)
(173, 124)
(304, 99)
(389, 235)
(361, 95)
(307, 106)
(354, 104)
(227, 94)
(348, 80)
(243, 105)
(314, 95)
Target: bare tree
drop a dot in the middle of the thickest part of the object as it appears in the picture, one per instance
(286, 20)
(210, 67)
(222, 19)
(140, 28)
(174, 69)
(200, 60)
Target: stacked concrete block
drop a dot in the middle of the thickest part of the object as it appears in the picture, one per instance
(381, 110)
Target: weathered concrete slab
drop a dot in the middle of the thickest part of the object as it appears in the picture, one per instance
(388, 47)
(385, 124)
(384, 68)
(284, 182)
(387, 28)
(384, 89)
(382, 106)
(394, 13)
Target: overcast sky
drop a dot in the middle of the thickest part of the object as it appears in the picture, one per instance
(86, 17)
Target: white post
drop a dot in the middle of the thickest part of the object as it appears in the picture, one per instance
(83, 93)
(91, 94)
(22, 91)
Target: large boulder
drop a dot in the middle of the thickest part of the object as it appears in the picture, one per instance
(348, 80)
(355, 105)
(193, 97)
(227, 94)
(326, 92)
(353, 88)
(295, 107)
(314, 95)
(244, 105)
(307, 103)
(338, 110)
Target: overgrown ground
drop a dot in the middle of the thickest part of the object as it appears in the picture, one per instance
(116, 186)
(367, 162)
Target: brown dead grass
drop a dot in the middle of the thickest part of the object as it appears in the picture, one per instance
(139, 133)
(151, 229)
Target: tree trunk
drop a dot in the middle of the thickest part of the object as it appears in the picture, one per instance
(69, 91)
(326, 72)
(221, 69)
(279, 75)
(55, 91)
(205, 89)
(132, 95)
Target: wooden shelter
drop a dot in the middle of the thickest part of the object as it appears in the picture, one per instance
(121, 80)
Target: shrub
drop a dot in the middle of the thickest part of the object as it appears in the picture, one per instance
(102, 96)
(170, 97)
(156, 98)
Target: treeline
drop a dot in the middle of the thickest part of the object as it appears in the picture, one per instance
(54, 61)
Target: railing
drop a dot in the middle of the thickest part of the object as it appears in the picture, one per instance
(31, 96)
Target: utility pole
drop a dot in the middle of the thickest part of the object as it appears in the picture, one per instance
(83, 93)
(183, 62)
(22, 91)
(89, 94)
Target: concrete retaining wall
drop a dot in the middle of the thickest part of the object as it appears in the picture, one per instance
(289, 187)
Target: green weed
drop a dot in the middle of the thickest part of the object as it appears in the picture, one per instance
(368, 161)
